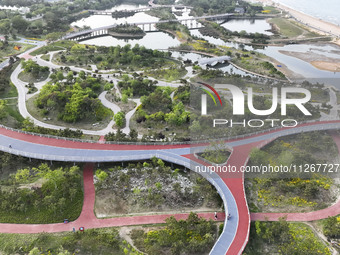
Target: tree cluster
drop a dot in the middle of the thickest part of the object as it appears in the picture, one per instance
(56, 16)
(331, 227)
(192, 236)
(119, 136)
(74, 99)
(136, 87)
(31, 67)
(116, 56)
(283, 238)
(55, 199)
(28, 125)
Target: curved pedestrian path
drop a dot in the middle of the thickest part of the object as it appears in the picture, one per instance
(23, 96)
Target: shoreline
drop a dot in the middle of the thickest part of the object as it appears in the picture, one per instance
(315, 24)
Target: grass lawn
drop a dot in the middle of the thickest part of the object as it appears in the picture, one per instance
(169, 75)
(271, 9)
(9, 50)
(11, 91)
(287, 27)
(27, 77)
(61, 45)
(14, 117)
(46, 57)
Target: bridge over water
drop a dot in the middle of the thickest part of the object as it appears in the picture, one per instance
(146, 26)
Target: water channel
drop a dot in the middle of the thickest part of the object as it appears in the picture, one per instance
(160, 40)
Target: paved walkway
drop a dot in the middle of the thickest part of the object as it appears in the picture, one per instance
(87, 218)
(23, 96)
(230, 187)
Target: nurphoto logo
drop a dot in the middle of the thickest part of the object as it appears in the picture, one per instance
(238, 105)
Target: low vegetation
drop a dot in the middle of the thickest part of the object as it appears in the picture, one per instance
(127, 30)
(55, 18)
(136, 87)
(290, 29)
(192, 236)
(159, 112)
(91, 241)
(200, 125)
(171, 74)
(216, 153)
(216, 30)
(9, 112)
(11, 49)
(28, 126)
(41, 195)
(32, 72)
(294, 191)
(55, 46)
(331, 227)
(151, 187)
(283, 238)
(220, 6)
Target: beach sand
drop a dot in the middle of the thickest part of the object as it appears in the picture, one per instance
(319, 61)
(327, 66)
(315, 24)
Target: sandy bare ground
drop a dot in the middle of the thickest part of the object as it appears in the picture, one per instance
(315, 24)
(319, 61)
(328, 66)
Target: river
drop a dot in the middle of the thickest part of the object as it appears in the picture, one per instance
(160, 40)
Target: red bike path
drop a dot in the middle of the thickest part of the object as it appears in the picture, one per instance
(87, 218)
(235, 183)
(43, 140)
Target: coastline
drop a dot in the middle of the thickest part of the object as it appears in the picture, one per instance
(315, 24)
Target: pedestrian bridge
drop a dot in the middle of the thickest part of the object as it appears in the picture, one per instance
(146, 26)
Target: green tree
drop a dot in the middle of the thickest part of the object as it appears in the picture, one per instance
(331, 227)
(3, 113)
(133, 134)
(34, 251)
(101, 175)
(19, 24)
(119, 119)
(22, 175)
